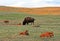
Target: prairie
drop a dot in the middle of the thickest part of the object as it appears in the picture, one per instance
(10, 32)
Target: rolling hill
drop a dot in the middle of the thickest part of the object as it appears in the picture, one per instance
(40, 11)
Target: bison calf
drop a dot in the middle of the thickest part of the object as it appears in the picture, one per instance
(47, 34)
(6, 21)
(24, 33)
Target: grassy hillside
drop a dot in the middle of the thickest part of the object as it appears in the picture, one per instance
(41, 11)
(11, 32)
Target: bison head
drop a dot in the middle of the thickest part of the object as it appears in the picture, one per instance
(24, 22)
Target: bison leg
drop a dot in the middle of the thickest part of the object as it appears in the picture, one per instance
(33, 23)
(27, 23)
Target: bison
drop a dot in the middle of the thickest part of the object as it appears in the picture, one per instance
(28, 20)
(24, 33)
(47, 34)
(6, 21)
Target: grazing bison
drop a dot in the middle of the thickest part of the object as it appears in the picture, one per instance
(47, 34)
(28, 20)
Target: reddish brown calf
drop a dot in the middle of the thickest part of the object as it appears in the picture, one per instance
(24, 33)
(47, 34)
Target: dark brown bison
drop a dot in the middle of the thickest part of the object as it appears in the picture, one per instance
(6, 21)
(28, 20)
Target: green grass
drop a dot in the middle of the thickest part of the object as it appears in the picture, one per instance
(11, 32)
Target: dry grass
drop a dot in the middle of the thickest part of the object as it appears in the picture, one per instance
(39, 11)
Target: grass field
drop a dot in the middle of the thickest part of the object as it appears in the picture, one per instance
(11, 32)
